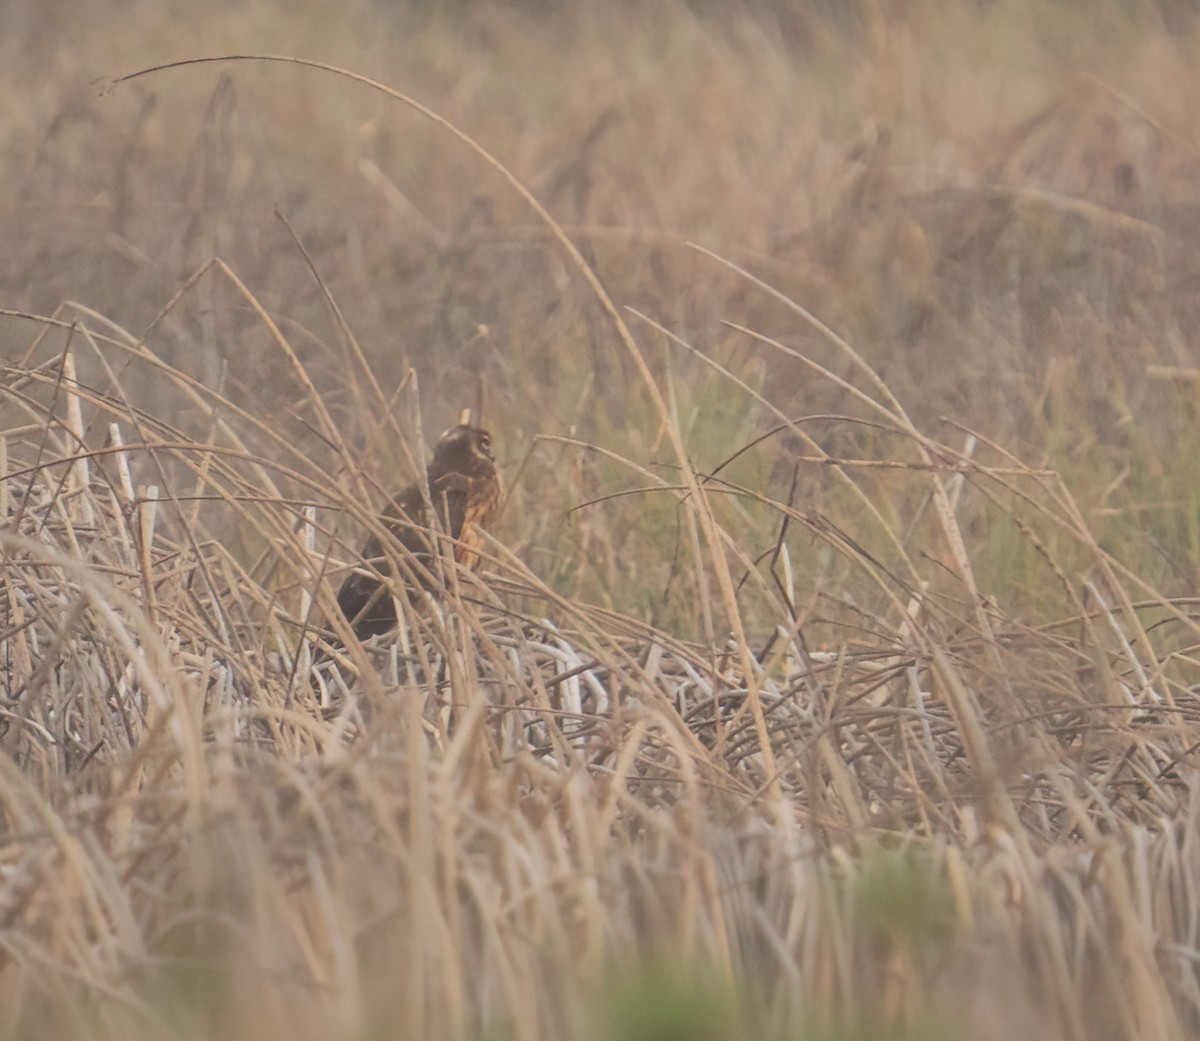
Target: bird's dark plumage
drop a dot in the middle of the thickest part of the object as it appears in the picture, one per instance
(466, 492)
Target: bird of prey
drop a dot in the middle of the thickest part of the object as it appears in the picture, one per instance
(465, 491)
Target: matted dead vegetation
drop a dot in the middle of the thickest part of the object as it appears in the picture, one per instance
(816, 683)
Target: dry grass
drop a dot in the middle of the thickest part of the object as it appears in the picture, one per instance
(833, 673)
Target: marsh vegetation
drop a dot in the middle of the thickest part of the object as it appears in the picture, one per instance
(832, 671)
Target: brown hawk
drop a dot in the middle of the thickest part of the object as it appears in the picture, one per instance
(465, 491)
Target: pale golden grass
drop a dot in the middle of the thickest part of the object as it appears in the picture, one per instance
(833, 670)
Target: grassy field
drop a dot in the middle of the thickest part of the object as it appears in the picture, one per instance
(833, 670)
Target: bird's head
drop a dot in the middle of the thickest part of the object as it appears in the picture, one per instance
(464, 449)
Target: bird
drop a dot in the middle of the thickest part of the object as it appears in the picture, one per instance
(466, 492)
